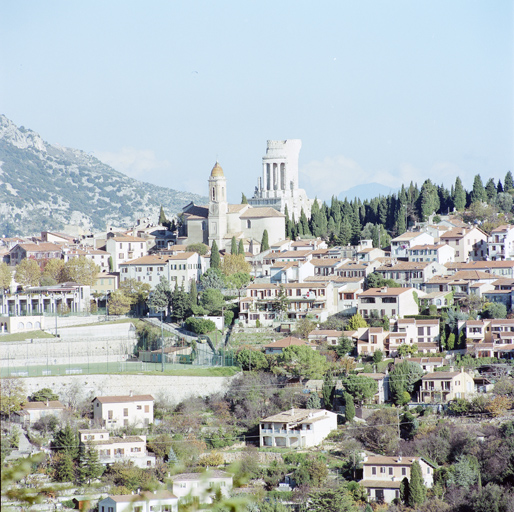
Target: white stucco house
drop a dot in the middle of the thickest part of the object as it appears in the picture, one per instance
(118, 449)
(156, 501)
(201, 487)
(120, 411)
(297, 428)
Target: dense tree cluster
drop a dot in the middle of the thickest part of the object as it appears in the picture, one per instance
(346, 221)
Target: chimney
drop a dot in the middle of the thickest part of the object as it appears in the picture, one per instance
(131, 393)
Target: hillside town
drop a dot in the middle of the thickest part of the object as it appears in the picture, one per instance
(265, 356)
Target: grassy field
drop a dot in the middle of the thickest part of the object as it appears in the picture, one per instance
(118, 368)
(22, 336)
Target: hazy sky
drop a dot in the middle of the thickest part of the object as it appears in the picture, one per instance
(378, 91)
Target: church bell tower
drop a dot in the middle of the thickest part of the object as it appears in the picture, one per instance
(218, 206)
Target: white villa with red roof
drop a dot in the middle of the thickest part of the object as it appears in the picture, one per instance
(146, 501)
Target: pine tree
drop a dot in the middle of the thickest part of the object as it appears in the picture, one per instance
(65, 468)
(243, 199)
(264, 241)
(233, 246)
(313, 402)
(215, 259)
(241, 247)
(459, 195)
(162, 217)
(66, 441)
(508, 182)
(417, 489)
(90, 467)
(349, 410)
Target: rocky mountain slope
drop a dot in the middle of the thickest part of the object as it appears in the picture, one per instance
(49, 187)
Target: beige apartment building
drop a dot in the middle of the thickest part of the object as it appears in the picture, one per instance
(382, 476)
(446, 386)
(469, 243)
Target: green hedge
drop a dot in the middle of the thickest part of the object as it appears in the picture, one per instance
(200, 325)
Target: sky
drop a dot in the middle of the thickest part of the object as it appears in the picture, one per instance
(378, 91)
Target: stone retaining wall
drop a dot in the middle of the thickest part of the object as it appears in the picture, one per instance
(173, 389)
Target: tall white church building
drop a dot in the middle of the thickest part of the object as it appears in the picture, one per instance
(278, 185)
(220, 221)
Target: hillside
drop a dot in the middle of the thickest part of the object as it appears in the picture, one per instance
(49, 187)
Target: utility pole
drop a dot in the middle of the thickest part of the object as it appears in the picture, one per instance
(162, 345)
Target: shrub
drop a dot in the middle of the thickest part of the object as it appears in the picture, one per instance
(200, 325)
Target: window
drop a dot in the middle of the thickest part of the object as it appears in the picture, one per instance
(110, 415)
(139, 407)
(382, 469)
(248, 223)
(373, 470)
(404, 471)
(125, 412)
(125, 423)
(390, 471)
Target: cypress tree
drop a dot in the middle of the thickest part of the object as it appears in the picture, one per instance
(305, 223)
(264, 241)
(215, 259)
(404, 490)
(508, 182)
(162, 217)
(233, 246)
(417, 490)
(243, 199)
(459, 195)
(349, 410)
(490, 191)
(499, 188)
(478, 192)
(193, 293)
(328, 392)
(241, 247)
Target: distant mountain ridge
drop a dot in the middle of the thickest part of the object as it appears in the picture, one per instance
(45, 187)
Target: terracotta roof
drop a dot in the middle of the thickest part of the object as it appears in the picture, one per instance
(383, 460)
(126, 238)
(408, 235)
(287, 342)
(216, 473)
(144, 496)
(440, 375)
(427, 246)
(292, 254)
(381, 484)
(480, 265)
(296, 415)
(123, 399)
(325, 332)
(52, 404)
(502, 228)
(405, 265)
(260, 213)
(385, 291)
(42, 246)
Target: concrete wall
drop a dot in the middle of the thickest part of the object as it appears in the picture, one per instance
(173, 389)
